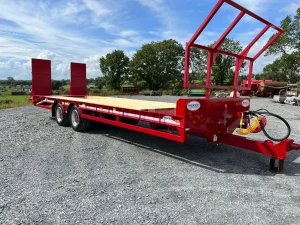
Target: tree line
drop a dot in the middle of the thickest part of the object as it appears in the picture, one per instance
(287, 66)
(160, 65)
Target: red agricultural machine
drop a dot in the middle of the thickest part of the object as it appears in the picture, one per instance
(219, 120)
(263, 88)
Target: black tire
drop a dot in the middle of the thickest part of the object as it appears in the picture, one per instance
(282, 96)
(282, 93)
(61, 117)
(77, 122)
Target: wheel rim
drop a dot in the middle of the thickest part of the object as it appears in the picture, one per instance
(59, 114)
(75, 118)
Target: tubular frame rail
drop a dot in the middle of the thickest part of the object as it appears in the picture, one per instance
(216, 48)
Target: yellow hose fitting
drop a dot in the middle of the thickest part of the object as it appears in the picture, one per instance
(242, 120)
(251, 128)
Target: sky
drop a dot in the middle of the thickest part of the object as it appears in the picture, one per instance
(82, 31)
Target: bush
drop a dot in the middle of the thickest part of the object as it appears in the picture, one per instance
(104, 92)
(6, 101)
(110, 92)
(94, 92)
(19, 93)
(167, 92)
(63, 91)
(185, 91)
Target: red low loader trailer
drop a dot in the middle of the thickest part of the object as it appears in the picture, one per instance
(219, 120)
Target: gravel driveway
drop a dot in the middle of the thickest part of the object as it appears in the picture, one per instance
(109, 175)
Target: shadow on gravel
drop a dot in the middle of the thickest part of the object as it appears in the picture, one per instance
(201, 153)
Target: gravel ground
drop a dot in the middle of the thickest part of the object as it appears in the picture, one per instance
(109, 175)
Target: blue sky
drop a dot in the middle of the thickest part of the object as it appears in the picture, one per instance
(85, 30)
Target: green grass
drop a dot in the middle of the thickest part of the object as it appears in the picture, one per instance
(12, 101)
(15, 98)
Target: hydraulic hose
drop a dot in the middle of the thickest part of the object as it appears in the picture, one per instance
(257, 112)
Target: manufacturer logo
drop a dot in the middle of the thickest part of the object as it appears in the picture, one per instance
(245, 103)
(193, 105)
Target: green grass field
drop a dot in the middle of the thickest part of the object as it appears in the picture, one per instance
(11, 101)
(15, 98)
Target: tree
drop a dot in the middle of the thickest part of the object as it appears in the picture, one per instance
(284, 69)
(90, 81)
(290, 39)
(56, 84)
(222, 70)
(100, 82)
(10, 81)
(159, 64)
(198, 66)
(287, 46)
(115, 67)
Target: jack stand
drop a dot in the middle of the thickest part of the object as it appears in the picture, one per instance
(280, 165)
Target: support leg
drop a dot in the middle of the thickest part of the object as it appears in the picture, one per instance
(280, 165)
(272, 164)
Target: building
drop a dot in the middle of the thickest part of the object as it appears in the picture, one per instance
(27, 88)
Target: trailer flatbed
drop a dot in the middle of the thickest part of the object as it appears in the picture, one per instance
(118, 102)
(219, 120)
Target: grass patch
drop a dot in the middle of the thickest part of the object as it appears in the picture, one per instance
(12, 101)
(15, 98)
(14, 105)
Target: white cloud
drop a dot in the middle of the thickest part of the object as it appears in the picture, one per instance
(47, 55)
(291, 8)
(262, 60)
(153, 33)
(170, 21)
(15, 69)
(42, 31)
(130, 54)
(256, 6)
(125, 43)
(129, 33)
(92, 66)
(96, 7)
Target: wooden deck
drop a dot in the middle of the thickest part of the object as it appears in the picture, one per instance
(119, 102)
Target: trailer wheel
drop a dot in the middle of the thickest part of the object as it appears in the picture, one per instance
(282, 96)
(77, 122)
(60, 116)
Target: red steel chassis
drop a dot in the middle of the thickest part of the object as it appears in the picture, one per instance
(214, 119)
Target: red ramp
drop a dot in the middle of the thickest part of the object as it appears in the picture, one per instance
(78, 79)
(41, 77)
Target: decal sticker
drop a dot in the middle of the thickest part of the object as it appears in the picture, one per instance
(167, 118)
(245, 103)
(193, 105)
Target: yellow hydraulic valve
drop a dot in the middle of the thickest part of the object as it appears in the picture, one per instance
(251, 128)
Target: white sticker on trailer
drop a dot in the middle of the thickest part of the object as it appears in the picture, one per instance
(149, 118)
(92, 108)
(167, 118)
(245, 103)
(132, 115)
(193, 105)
